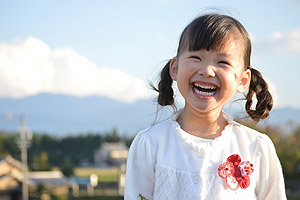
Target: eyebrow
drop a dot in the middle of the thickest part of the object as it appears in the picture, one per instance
(225, 55)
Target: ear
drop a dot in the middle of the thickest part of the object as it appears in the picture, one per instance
(173, 68)
(245, 81)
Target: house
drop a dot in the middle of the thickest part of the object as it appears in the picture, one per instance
(111, 155)
(53, 181)
(10, 179)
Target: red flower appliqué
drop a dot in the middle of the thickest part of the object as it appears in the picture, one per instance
(236, 172)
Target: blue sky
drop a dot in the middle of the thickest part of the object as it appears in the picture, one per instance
(113, 48)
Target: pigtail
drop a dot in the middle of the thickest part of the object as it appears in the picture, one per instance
(165, 90)
(264, 99)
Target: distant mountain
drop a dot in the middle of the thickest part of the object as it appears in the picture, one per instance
(285, 115)
(59, 114)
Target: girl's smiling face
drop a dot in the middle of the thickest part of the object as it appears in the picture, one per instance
(209, 79)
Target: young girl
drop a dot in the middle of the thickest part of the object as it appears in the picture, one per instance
(201, 153)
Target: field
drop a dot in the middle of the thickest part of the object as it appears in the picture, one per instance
(98, 198)
(104, 175)
(108, 183)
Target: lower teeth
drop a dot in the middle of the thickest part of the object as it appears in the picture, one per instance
(204, 93)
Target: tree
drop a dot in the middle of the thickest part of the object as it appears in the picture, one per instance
(288, 151)
(113, 136)
(10, 146)
(41, 161)
(1, 144)
(67, 167)
(44, 161)
(40, 189)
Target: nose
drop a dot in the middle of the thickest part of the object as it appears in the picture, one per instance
(206, 71)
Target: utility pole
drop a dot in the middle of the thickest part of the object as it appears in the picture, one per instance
(24, 143)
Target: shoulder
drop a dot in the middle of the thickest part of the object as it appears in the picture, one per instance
(147, 142)
(252, 137)
(248, 132)
(153, 136)
(156, 132)
(242, 132)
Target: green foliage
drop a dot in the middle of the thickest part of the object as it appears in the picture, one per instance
(1, 142)
(40, 161)
(40, 189)
(104, 174)
(80, 148)
(43, 143)
(9, 145)
(67, 167)
(97, 198)
(288, 151)
(113, 136)
(77, 149)
(54, 197)
(142, 197)
(48, 151)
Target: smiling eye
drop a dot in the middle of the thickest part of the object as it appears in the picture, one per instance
(195, 57)
(224, 63)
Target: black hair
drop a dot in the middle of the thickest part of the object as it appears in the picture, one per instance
(209, 32)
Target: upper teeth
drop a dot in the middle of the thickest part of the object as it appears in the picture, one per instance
(212, 87)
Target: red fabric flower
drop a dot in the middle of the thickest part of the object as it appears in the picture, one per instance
(236, 172)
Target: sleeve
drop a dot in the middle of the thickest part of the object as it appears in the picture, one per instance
(269, 178)
(140, 170)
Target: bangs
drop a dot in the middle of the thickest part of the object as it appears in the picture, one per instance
(208, 32)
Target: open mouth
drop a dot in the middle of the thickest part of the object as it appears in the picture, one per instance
(204, 90)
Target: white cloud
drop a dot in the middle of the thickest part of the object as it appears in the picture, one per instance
(276, 35)
(286, 43)
(29, 67)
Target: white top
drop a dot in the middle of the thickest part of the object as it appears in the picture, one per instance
(167, 163)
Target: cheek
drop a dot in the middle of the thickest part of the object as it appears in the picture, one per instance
(237, 74)
(236, 77)
(231, 74)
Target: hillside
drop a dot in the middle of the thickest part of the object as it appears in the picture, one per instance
(59, 114)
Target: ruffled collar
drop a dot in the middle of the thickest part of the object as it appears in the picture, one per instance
(197, 143)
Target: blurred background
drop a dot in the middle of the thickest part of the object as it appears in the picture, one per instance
(74, 87)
